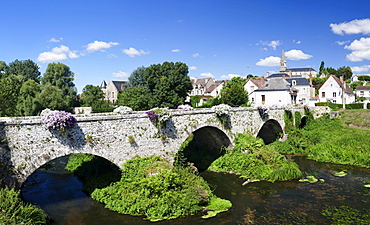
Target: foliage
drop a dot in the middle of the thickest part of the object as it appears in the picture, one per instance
(52, 97)
(152, 187)
(58, 120)
(234, 94)
(333, 106)
(344, 71)
(60, 76)
(345, 215)
(137, 77)
(297, 119)
(354, 85)
(194, 100)
(317, 83)
(168, 83)
(217, 205)
(90, 95)
(263, 111)
(24, 69)
(136, 97)
(75, 161)
(27, 104)
(14, 211)
(9, 91)
(364, 78)
(355, 106)
(256, 161)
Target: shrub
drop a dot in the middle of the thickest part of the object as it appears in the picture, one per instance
(355, 106)
(58, 120)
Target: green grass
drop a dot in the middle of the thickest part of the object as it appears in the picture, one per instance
(356, 117)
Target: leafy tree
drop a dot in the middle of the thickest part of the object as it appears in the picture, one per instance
(354, 85)
(344, 71)
(27, 104)
(24, 69)
(331, 71)
(9, 89)
(194, 100)
(91, 94)
(53, 98)
(168, 83)
(60, 76)
(364, 78)
(138, 98)
(137, 77)
(317, 83)
(233, 93)
(3, 68)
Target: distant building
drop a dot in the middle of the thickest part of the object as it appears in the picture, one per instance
(363, 91)
(112, 89)
(275, 91)
(206, 88)
(253, 84)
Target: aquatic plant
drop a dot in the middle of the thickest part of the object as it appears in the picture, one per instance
(14, 211)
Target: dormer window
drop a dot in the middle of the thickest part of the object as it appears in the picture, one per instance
(294, 82)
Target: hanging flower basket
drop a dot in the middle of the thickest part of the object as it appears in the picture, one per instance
(58, 120)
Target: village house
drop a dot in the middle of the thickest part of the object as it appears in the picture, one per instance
(253, 84)
(295, 72)
(112, 89)
(335, 90)
(205, 88)
(276, 91)
(363, 91)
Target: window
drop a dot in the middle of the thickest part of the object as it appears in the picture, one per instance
(362, 93)
(334, 101)
(112, 95)
(294, 82)
(252, 99)
(334, 94)
(323, 94)
(263, 99)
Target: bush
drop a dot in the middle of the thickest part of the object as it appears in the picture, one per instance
(102, 110)
(355, 106)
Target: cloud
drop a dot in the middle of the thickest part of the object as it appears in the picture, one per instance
(120, 74)
(99, 46)
(57, 54)
(296, 42)
(269, 61)
(176, 50)
(296, 55)
(196, 55)
(193, 68)
(132, 52)
(272, 44)
(342, 42)
(229, 76)
(359, 69)
(208, 74)
(55, 40)
(360, 50)
(352, 27)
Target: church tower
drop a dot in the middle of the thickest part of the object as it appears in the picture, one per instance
(282, 62)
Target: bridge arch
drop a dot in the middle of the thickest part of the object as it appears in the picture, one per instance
(204, 146)
(270, 131)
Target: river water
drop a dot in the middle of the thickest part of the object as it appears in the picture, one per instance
(59, 193)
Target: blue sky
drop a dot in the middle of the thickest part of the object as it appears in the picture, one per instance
(107, 40)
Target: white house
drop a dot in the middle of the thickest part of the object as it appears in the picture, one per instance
(253, 84)
(206, 88)
(363, 91)
(275, 91)
(112, 89)
(336, 91)
(305, 89)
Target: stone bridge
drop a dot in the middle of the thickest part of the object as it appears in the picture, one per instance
(26, 144)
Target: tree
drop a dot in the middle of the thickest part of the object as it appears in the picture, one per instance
(344, 71)
(137, 78)
(364, 78)
(354, 85)
(91, 94)
(234, 94)
(60, 76)
(27, 104)
(3, 68)
(9, 89)
(194, 100)
(138, 98)
(168, 83)
(24, 69)
(53, 98)
(322, 67)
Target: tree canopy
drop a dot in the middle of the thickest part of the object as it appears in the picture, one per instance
(137, 77)
(234, 94)
(23, 69)
(90, 95)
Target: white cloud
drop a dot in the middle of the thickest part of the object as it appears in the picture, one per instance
(360, 50)
(272, 44)
(196, 55)
(360, 69)
(57, 54)
(342, 42)
(193, 68)
(296, 42)
(176, 50)
(296, 55)
(132, 52)
(99, 46)
(352, 27)
(120, 74)
(269, 61)
(55, 40)
(229, 76)
(208, 74)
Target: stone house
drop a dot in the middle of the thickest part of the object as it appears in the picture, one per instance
(335, 90)
(112, 89)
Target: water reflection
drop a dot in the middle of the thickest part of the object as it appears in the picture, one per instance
(59, 194)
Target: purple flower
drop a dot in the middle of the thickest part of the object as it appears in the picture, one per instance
(152, 116)
(58, 120)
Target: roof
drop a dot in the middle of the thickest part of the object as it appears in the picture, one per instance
(343, 85)
(277, 75)
(299, 81)
(363, 88)
(275, 84)
(300, 69)
(103, 84)
(119, 85)
(257, 81)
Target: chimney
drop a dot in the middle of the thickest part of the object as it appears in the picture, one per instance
(262, 80)
(310, 77)
(290, 73)
(341, 79)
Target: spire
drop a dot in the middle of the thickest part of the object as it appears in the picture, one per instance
(282, 62)
(103, 84)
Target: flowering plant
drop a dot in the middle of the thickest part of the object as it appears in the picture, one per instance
(185, 107)
(58, 120)
(122, 110)
(222, 113)
(288, 107)
(158, 116)
(263, 111)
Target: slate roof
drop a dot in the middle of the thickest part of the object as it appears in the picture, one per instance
(299, 81)
(274, 85)
(119, 85)
(299, 69)
(103, 84)
(276, 75)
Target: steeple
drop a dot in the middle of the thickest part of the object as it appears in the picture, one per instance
(282, 62)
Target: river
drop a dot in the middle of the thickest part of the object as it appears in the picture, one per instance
(59, 193)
